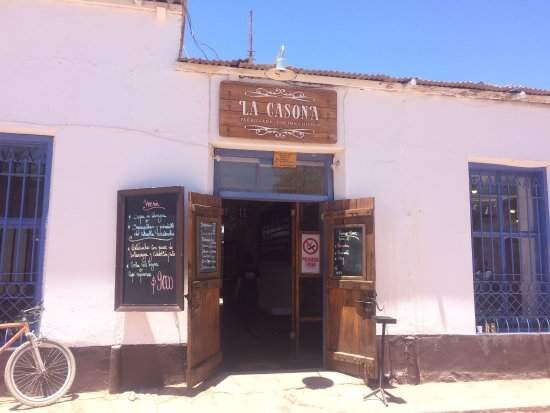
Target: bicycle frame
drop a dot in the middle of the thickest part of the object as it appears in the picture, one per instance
(23, 329)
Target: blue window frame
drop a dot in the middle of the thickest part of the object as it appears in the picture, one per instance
(251, 175)
(25, 163)
(509, 221)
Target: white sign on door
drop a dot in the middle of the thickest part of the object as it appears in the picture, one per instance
(311, 246)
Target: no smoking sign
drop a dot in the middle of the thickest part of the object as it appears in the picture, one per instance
(310, 253)
(310, 246)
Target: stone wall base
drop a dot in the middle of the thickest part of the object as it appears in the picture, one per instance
(421, 359)
(409, 359)
(147, 365)
(92, 369)
(127, 367)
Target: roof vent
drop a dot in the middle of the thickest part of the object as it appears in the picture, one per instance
(520, 94)
(280, 71)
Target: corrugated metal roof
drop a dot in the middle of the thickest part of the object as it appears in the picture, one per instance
(481, 86)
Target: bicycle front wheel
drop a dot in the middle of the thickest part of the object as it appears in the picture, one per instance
(32, 386)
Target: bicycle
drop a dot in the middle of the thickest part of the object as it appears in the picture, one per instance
(40, 371)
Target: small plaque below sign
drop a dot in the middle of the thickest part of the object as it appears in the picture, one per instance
(284, 160)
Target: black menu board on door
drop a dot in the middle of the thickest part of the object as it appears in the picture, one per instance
(208, 247)
(348, 251)
(150, 250)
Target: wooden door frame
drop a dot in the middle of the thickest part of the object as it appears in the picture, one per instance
(324, 269)
(295, 230)
(296, 274)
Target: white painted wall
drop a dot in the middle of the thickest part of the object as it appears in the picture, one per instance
(102, 81)
(411, 152)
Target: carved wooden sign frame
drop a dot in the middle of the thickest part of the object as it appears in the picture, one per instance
(275, 112)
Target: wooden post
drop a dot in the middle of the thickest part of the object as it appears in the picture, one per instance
(295, 230)
(114, 369)
(293, 277)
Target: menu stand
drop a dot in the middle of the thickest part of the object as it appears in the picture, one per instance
(381, 320)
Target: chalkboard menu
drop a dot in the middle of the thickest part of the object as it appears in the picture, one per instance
(208, 247)
(150, 250)
(348, 251)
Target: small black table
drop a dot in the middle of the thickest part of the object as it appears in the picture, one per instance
(380, 319)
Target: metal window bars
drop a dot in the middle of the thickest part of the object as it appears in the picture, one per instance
(510, 261)
(24, 174)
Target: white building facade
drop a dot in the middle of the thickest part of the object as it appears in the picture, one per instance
(99, 89)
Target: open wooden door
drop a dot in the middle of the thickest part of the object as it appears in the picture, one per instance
(350, 330)
(203, 287)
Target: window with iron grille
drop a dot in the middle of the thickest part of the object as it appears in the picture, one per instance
(509, 215)
(24, 187)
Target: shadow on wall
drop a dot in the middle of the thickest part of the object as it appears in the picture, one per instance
(148, 365)
(136, 328)
(442, 312)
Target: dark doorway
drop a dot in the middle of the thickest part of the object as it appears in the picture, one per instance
(257, 311)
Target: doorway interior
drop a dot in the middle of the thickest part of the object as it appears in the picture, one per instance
(271, 317)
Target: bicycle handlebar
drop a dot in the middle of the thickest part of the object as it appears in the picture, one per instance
(33, 310)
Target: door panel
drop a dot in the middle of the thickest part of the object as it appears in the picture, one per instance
(295, 327)
(204, 283)
(350, 331)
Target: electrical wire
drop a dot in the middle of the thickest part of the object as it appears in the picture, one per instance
(194, 36)
(212, 49)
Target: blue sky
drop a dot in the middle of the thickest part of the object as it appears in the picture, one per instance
(495, 41)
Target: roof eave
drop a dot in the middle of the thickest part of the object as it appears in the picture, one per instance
(144, 5)
(239, 68)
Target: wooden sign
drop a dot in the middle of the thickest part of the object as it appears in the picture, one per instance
(284, 160)
(348, 251)
(274, 112)
(149, 266)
